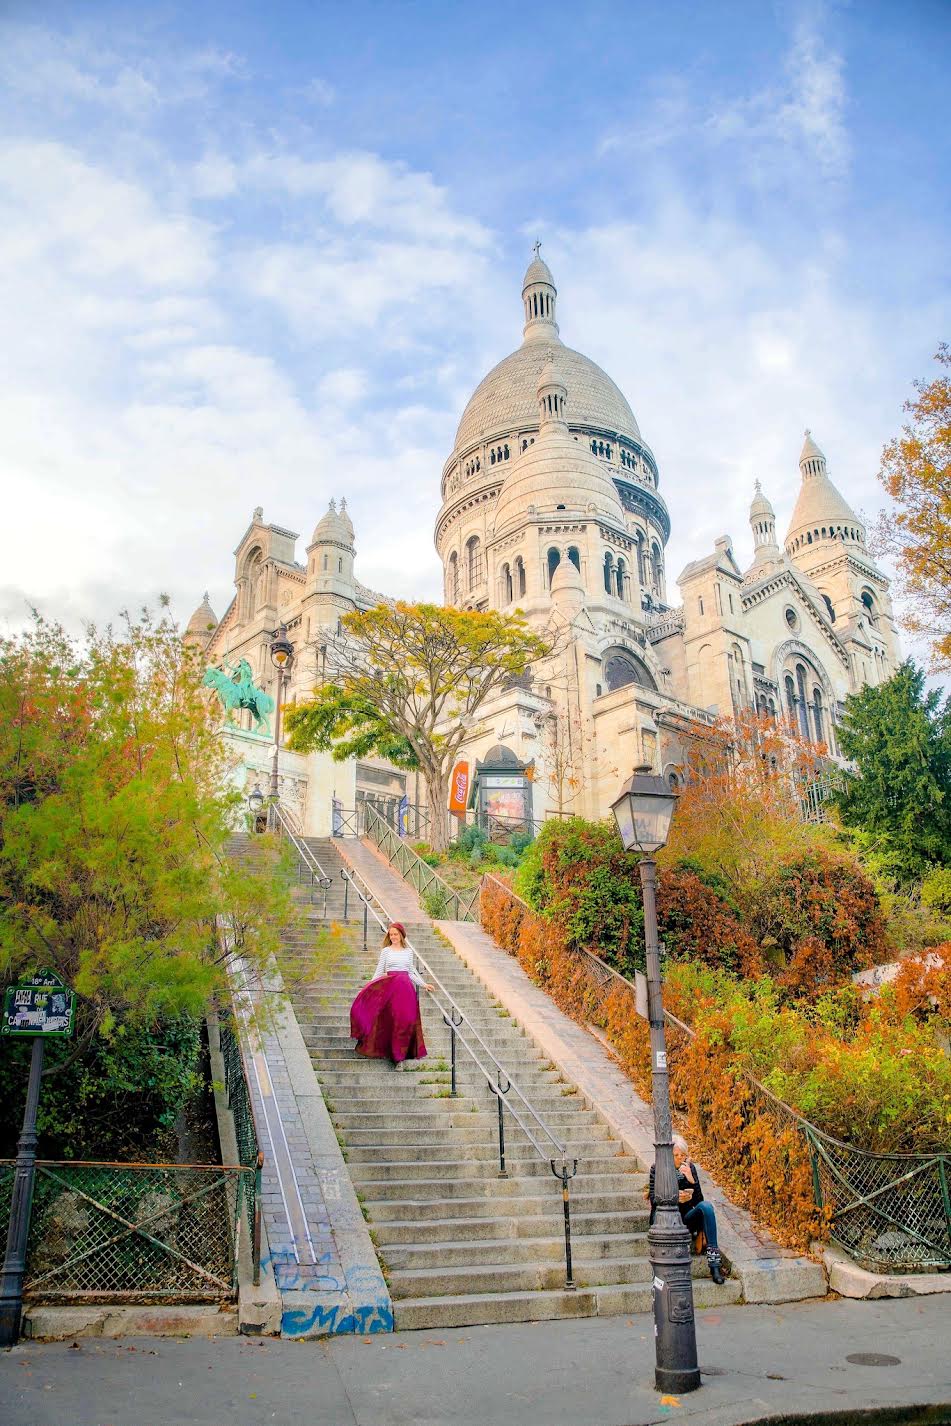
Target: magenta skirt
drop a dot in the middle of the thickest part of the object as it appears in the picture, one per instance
(384, 1020)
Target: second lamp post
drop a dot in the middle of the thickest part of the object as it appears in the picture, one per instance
(282, 657)
(643, 812)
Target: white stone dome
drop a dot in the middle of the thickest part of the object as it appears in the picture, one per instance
(558, 471)
(335, 527)
(203, 622)
(505, 399)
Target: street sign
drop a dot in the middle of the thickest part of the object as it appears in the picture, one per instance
(40, 1005)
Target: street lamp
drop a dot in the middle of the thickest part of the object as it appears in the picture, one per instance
(642, 813)
(282, 657)
(255, 806)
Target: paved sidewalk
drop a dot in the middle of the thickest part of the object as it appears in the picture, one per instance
(777, 1363)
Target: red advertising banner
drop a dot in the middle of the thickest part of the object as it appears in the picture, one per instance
(459, 788)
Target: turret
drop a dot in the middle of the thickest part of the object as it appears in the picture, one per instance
(539, 295)
(766, 551)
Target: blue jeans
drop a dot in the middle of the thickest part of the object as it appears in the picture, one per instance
(701, 1215)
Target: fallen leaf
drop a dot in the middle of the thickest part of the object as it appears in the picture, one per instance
(669, 1401)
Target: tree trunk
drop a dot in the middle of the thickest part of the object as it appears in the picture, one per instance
(437, 795)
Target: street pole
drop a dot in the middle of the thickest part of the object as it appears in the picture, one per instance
(668, 1240)
(272, 813)
(14, 1262)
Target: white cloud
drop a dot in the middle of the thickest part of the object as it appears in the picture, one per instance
(320, 91)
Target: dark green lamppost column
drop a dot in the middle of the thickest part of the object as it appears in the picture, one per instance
(643, 812)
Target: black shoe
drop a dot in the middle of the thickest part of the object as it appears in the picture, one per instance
(716, 1268)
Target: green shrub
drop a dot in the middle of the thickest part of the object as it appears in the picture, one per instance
(936, 890)
(435, 904)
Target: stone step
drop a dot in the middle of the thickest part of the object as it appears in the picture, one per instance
(591, 1171)
(507, 1195)
(401, 1152)
(476, 1131)
(531, 1226)
(507, 1277)
(488, 1181)
(474, 1309)
(486, 1251)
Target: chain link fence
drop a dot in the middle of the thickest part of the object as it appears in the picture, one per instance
(132, 1232)
(245, 1127)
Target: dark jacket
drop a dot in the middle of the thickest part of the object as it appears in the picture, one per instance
(682, 1182)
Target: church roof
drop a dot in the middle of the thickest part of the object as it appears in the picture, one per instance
(820, 505)
(203, 620)
(505, 398)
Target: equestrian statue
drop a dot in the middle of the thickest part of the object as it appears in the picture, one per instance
(235, 687)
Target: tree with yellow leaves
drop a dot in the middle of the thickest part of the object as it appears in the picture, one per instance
(916, 532)
(409, 681)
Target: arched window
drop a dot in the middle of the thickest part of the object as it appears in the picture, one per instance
(869, 602)
(520, 576)
(657, 568)
(575, 558)
(619, 578)
(452, 579)
(802, 699)
(622, 668)
(829, 608)
(790, 688)
(507, 588)
(609, 573)
(641, 559)
(340, 565)
(554, 560)
(817, 714)
(326, 561)
(474, 561)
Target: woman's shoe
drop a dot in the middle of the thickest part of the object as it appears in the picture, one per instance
(716, 1267)
(399, 1064)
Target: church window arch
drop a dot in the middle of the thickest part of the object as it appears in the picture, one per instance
(340, 565)
(520, 575)
(802, 699)
(594, 448)
(622, 668)
(505, 452)
(621, 574)
(817, 714)
(641, 558)
(554, 560)
(829, 609)
(507, 586)
(608, 572)
(491, 457)
(657, 568)
(869, 602)
(790, 689)
(607, 452)
(474, 561)
(326, 562)
(453, 579)
(575, 557)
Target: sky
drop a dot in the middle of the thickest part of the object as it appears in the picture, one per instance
(262, 255)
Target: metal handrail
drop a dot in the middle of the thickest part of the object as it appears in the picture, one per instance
(454, 1017)
(393, 847)
(318, 877)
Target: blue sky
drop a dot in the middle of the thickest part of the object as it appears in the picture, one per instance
(262, 255)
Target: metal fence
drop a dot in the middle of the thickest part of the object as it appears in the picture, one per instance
(889, 1212)
(439, 897)
(133, 1232)
(246, 1132)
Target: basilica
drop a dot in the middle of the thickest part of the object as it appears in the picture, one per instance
(551, 505)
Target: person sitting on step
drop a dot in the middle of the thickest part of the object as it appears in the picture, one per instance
(696, 1212)
(384, 1017)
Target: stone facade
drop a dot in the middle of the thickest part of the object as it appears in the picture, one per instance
(551, 505)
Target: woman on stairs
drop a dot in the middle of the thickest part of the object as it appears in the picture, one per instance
(696, 1212)
(384, 1018)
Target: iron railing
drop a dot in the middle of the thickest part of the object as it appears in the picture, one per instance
(133, 1232)
(250, 1154)
(498, 1080)
(453, 905)
(307, 863)
(887, 1211)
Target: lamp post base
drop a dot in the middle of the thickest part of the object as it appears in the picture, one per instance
(673, 1382)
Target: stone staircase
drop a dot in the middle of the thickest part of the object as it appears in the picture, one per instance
(459, 1244)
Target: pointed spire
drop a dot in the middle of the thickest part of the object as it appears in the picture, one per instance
(811, 460)
(539, 295)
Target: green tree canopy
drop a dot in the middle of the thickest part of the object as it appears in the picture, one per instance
(115, 814)
(899, 738)
(407, 682)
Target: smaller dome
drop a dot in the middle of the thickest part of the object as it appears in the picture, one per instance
(203, 622)
(499, 756)
(567, 586)
(537, 271)
(335, 527)
(556, 472)
(760, 505)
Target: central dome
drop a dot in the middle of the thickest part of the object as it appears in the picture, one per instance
(504, 400)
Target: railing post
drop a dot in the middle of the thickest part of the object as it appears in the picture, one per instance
(366, 914)
(346, 896)
(566, 1178)
(256, 1247)
(503, 1173)
(946, 1198)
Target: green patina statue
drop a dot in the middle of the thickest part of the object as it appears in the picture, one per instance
(236, 689)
